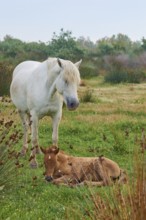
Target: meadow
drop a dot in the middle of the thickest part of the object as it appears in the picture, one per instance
(110, 121)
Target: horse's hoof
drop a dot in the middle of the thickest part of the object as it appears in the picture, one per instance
(34, 165)
(38, 150)
(22, 153)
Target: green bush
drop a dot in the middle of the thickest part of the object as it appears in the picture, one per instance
(125, 75)
(88, 96)
(88, 71)
(118, 72)
(5, 77)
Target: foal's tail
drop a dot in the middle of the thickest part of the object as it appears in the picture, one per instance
(123, 177)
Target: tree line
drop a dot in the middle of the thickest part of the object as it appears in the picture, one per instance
(117, 58)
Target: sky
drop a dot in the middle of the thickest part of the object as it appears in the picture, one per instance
(36, 20)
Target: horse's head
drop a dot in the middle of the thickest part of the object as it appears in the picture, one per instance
(68, 81)
(50, 161)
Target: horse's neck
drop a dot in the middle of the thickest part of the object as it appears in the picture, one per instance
(51, 80)
(46, 76)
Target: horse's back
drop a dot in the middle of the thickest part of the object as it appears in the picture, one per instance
(25, 67)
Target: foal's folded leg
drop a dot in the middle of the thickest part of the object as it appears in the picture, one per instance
(92, 183)
(63, 180)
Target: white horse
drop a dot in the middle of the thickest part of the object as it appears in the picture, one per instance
(39, 89)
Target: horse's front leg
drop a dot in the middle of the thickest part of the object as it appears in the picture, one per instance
(56, 120)
(35, 146)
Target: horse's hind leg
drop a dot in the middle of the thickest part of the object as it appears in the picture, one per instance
(25, 125)
(34, 134)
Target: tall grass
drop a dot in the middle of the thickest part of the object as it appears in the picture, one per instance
(9, 157)
(88, 96)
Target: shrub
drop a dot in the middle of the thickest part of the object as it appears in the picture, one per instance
(88, 70)
(5, 77)
(123, 69)
(88, 96)
(124, 75)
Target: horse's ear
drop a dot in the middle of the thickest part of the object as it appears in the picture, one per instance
(43, 150)
(59, 62)
(78, 63)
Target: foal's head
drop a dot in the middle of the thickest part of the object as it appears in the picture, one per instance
(50, 161)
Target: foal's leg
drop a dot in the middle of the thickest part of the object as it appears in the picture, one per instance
(25, 125)
(91, 183)
(34, 134)
(63, 180)
(56, 120)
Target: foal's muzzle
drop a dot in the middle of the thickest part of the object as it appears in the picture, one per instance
(49, 178)
(72, 103)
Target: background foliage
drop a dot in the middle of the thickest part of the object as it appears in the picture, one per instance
(117, 58)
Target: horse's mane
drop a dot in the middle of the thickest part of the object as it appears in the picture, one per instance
(70, 73)
(51, 62)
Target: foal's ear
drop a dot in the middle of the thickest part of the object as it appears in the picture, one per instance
(43, 150)
(55, 150)
(78, 63)
(59, 63)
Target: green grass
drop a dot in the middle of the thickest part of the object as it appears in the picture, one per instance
(111, 125)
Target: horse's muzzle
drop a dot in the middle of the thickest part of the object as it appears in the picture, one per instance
(49, 178)
(72, 103)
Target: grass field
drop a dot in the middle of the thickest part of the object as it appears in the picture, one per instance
(110, 121)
